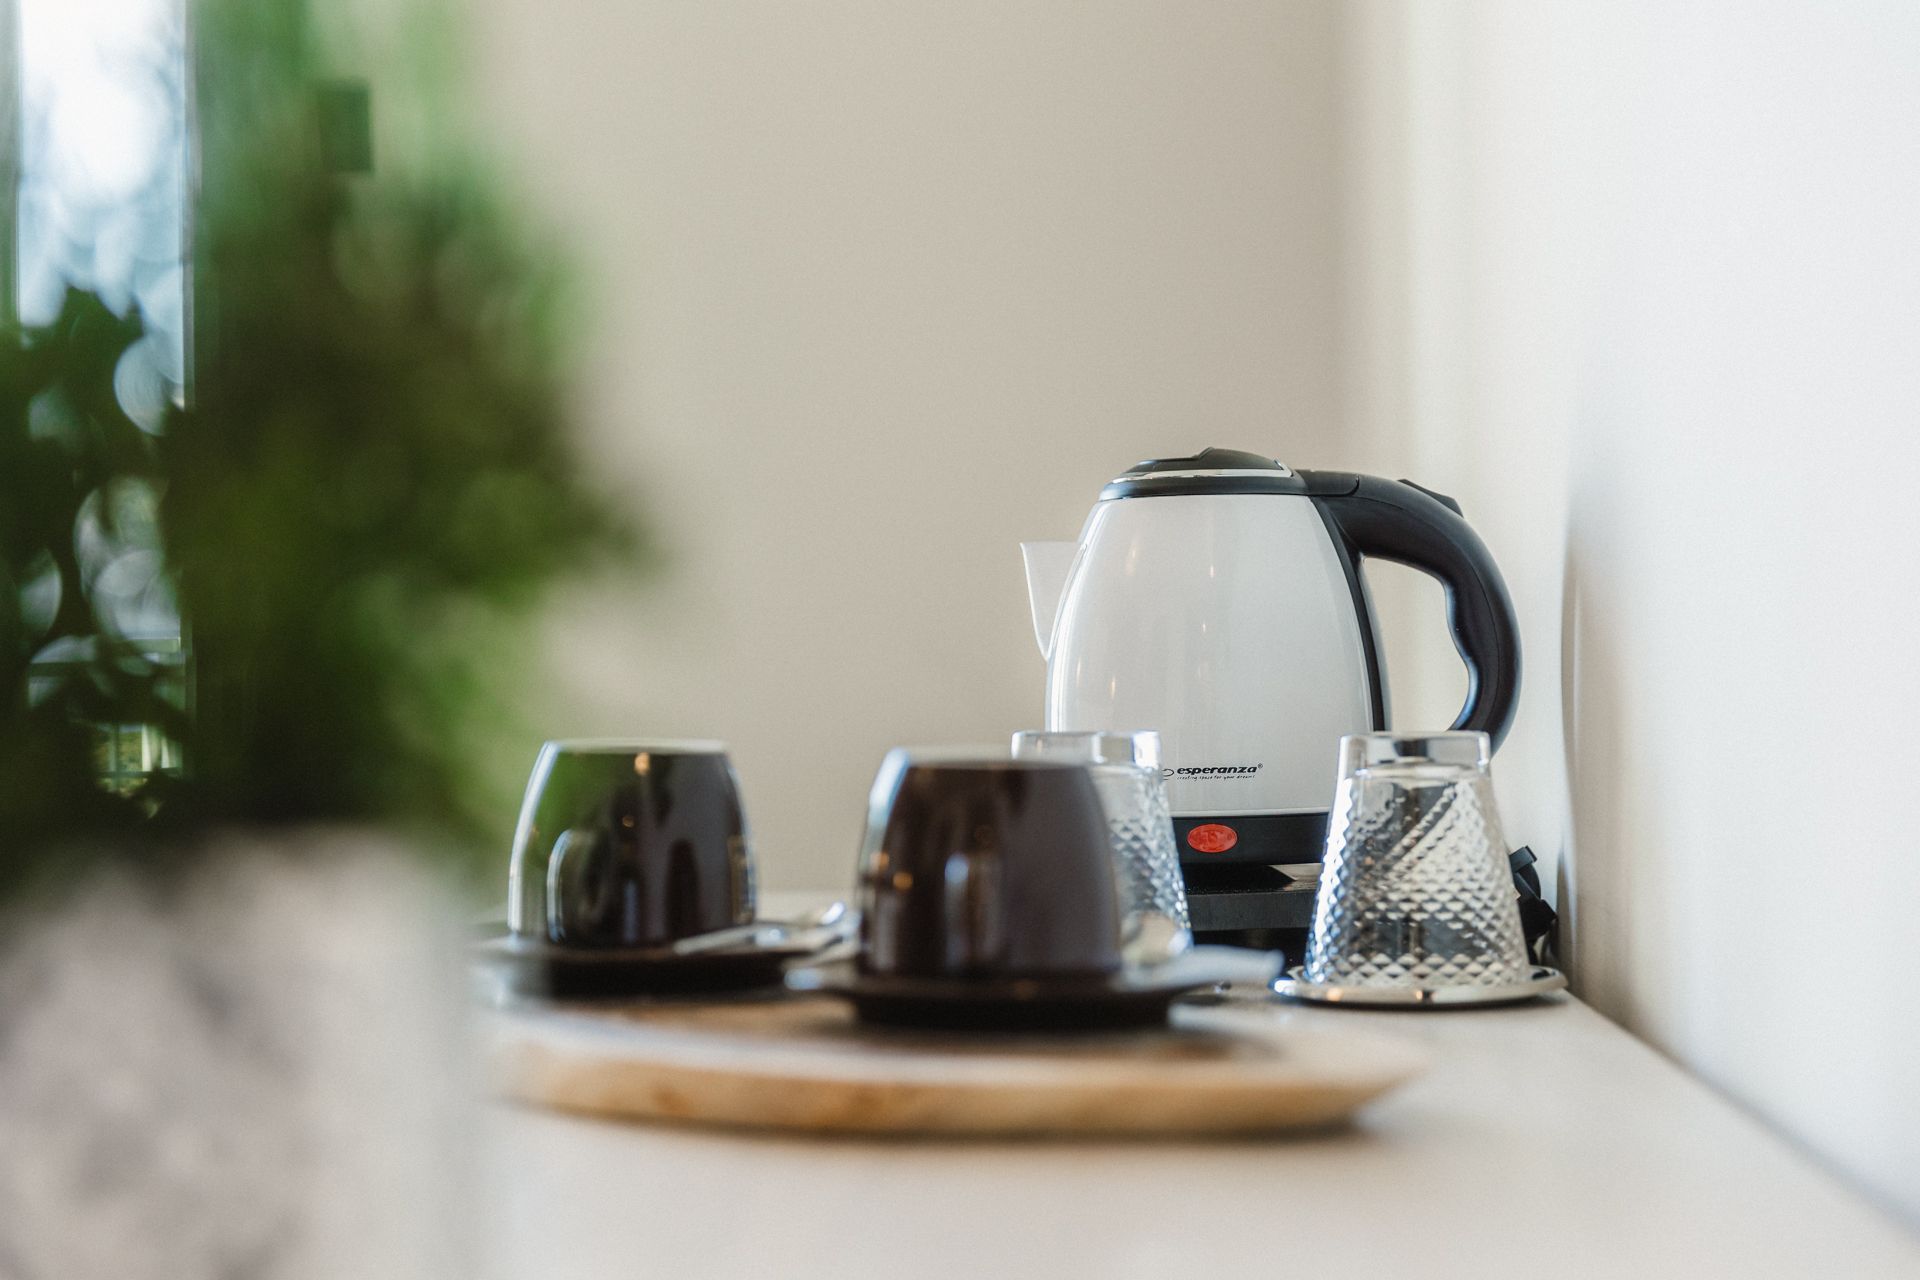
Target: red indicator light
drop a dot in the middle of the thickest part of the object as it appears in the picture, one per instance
(1212, 837)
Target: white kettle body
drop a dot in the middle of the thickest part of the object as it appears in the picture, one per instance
(1218, 599)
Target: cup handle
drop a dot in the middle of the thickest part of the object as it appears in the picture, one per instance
(567, 893)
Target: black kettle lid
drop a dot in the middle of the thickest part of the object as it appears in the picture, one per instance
(1208, 460)
(1208, 471)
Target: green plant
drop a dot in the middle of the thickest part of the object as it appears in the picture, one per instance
(66, 674)
(371, 486)
(376, 477)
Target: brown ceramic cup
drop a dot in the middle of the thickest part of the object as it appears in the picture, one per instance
(976, 868)
(630, 845)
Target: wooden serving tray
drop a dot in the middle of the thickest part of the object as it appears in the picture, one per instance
(803, 1063)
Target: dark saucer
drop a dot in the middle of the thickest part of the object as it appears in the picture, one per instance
(1132, 997)
(534, 967)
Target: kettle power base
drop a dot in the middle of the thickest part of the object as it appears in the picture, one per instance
(1542, 981)
(1239, 897)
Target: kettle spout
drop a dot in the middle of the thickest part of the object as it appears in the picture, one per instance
(1048, 564)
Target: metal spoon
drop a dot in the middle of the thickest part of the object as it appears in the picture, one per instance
(831, 923)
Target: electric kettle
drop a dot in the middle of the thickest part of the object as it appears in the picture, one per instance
(1218, 599)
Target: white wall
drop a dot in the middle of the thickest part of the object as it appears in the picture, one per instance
(1651, 302)
(882, 289)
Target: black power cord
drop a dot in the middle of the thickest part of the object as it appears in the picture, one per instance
(1539, 923)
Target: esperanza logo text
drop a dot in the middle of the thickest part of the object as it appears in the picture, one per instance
(1214, 771)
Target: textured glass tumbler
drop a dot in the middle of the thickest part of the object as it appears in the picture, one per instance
(1415, 890)
(1126, 772)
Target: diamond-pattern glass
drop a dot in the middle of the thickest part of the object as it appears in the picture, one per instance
(1125, 768)
(1141, 829)
(1415, 889)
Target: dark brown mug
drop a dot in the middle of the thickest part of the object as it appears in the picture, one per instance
(630, 845)
(981, 868)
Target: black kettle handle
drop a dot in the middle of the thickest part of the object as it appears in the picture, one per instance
(1398, 520)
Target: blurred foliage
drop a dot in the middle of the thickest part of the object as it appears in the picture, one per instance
(374, 479)
(63, 671)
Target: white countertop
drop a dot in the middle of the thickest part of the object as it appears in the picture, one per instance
(1545, 1141)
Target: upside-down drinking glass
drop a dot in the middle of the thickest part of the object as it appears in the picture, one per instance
(1126, 771)
(1415, 890)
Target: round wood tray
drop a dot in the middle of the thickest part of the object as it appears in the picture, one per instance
(804, 1063)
